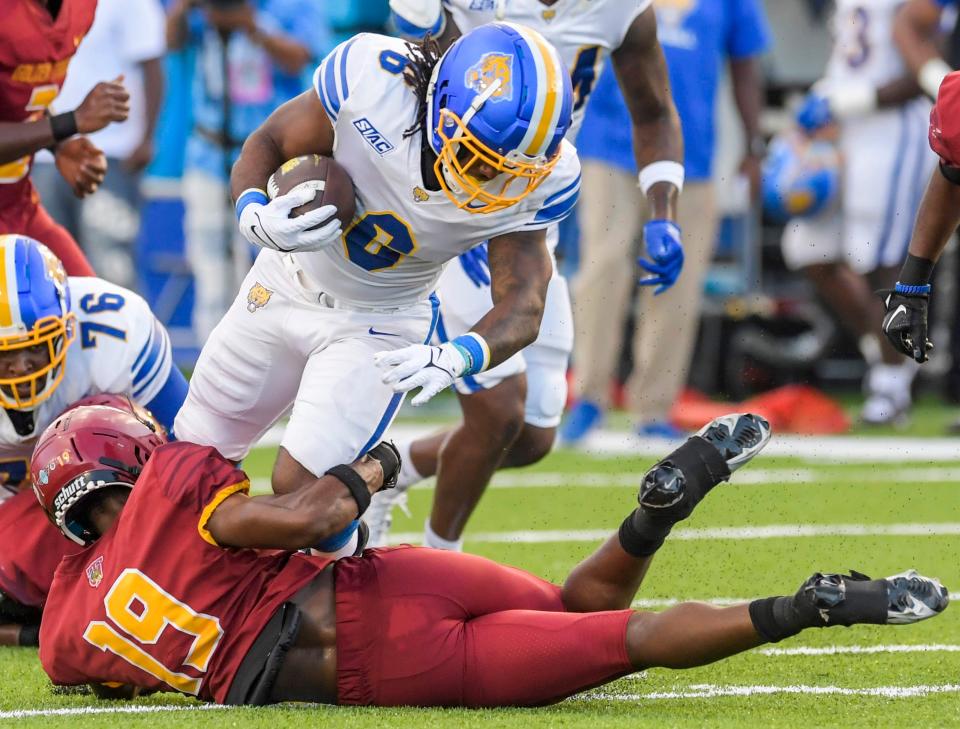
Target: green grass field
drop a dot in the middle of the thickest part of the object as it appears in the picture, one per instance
(878, 519)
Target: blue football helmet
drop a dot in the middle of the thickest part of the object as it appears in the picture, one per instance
(801, 177)
(499, 97)
(34, 312)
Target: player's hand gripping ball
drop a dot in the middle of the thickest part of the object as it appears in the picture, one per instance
(312, 201)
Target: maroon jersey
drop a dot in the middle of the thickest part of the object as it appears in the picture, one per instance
(30, 549)
(155, 602)
(35, 50)
(945, 121)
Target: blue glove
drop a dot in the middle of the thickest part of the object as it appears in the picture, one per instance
(476, 265)
(814, 113)
(662, 239)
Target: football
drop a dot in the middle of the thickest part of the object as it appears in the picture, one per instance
(323, 174)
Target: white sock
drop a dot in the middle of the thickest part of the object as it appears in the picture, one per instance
(409, 474)
(346, 550)
(431, 539)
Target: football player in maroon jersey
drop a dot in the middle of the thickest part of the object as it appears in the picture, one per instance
(905, 322)
(188, 584)
(37, 40)
(31, 548)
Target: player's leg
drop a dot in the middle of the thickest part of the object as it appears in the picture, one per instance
(468, 458)
(611, 215)
(610, 577)
(249, 370)
(667, 324)
(547, 361)
(40, 226)
(342, 408)
(882, 188)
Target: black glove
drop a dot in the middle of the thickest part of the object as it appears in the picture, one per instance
(905, 322)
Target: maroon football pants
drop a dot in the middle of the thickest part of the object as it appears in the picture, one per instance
(425, 627)
(32, 220)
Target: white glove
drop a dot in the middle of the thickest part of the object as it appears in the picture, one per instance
(421, 15)
(270, 225)
(847, 98)
(421, 365)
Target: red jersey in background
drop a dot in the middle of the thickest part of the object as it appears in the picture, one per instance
(35, 50)
(30, 549)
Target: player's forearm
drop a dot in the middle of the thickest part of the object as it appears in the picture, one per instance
(259, 157)
(18, 139)
(520, 270)
(937, 219)
(915, 31)
(898, 92)
(747, 85)
(297, 520)
(657, 137)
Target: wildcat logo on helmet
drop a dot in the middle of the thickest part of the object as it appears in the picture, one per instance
(95, 572)
(257, 297)
(492, 67)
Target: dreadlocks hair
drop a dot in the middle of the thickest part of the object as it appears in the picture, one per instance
(423, 57)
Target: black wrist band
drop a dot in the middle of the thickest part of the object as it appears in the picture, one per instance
(354, 483)
(63, 126)
(950, 173)
(916, 271)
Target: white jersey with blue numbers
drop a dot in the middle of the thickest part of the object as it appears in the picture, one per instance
(582, 32)
(863, 43)
(119, 348)
(394, 251)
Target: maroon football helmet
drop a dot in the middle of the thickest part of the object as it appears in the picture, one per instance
(88, 448)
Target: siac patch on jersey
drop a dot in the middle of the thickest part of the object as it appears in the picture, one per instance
(374, 138)
(492, 67)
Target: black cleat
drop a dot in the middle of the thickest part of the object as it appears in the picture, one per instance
(738, 437)
(852, 599)
(673, 487)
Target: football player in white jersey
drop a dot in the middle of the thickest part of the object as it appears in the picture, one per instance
(854, 248)
(511, 420)
(62, 339)
(444, 153)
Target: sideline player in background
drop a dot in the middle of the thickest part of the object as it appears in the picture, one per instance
(61, 340)
(37, 40)
(905, 323)
(851, 249)
(509, 420)
(918, 34)
(401, 626)
(444, 153)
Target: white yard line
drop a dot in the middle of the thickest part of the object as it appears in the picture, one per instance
(771, 531)
(121, 709)
(831, 448)
(752, 477)
(710, 691)
(658, 603)
(837, 650)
